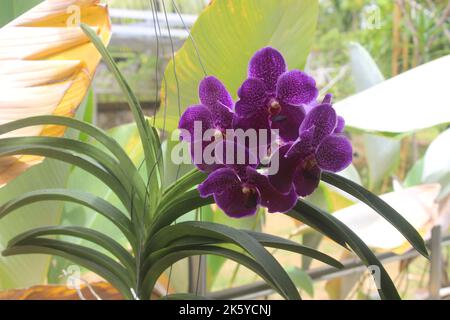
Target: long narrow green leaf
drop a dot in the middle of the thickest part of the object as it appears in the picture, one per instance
(88, 258)
(387, 288)
(110, 212)
(93, 236)
(167, 257)
(185, 203)
(84, 127)
(380, 206)
(271, 241)
(133, 101)
(82, 163)
(240, 238)
(155, 176)
(84, 149)
(183, 184)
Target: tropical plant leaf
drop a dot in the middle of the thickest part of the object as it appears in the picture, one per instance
(25, 271)
(436, 163)
(302, 280)
(167, 258)
(46, 67)
(117, 217)
(91, 259)
(224, 44)
(93, 236)
(306, 212)
(133, 102)
(386, 211)
(14, 8)
(240, 238)
(397, 105)
(417, 205)
(271, 241)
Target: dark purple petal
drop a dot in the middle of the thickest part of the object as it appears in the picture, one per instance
(199, 161)
(273, 200)
(234, 155)
(236, 203)
(282, 180)
(288, 121)
(334, 153)
(253, 92)
(296, 87)
(323, 118)
(268, 65)
(229, 193)
(340, 125)
(218, 182)
(327, 99)
(303, 147)
(306, 180)
(211, 91)
(190, 116)
(222, 116)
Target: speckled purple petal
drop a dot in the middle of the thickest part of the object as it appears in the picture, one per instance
(237, 204)
(303, 147)
(211, 91)
(296, 87)
(334, 153)
(258, 123)
(340, 125)
(235, 156)
(273, 200)
(199, 162)
(226, 188)
(253, 92)
(323, 118)
(306, 181)
(222, 116)
(288, 121)
(187, 121)
(218, 182)
(268, 65)
(282, 180)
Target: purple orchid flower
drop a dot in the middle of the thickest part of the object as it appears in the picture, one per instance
(273, 97)
(239, 194)
(214, 112)
(320, 146)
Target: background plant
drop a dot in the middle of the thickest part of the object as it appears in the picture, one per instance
(173, 107)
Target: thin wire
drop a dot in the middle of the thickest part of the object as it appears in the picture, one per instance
(155, 17)
(173, 58)
(190, 37)
(198, 217)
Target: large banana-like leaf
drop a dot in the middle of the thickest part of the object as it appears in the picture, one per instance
(46, 67)
(408, 102)
(225, 36)
(416, 204)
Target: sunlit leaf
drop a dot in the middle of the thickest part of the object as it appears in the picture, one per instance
(46, 67)
(226, 35)
(407, 102)
(416, 205)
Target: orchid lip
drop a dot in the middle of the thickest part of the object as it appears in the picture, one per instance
(310, 162)
(248, 189)
(274, 107)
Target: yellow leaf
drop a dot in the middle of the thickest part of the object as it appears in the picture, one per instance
(46, 67)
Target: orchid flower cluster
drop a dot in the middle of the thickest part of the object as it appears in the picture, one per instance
(309, 137)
